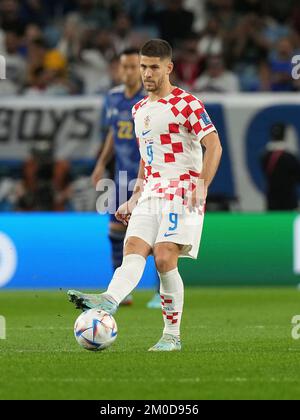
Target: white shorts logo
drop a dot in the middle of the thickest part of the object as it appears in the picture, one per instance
(8, 259)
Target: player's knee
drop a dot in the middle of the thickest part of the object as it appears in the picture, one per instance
(135, 245)
(130, 246)
(165, 260)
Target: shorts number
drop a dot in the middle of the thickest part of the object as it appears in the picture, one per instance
(173, 217)
(150, 154)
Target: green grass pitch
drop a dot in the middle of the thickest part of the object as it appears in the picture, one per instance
(237, 344)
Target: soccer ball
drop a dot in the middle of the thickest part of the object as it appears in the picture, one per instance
(95, 330)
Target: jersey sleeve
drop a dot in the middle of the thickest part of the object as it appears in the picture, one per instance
(198, 121)
(135, 109)
(133, 112)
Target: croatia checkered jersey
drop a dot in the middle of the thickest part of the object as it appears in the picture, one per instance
(169, 133)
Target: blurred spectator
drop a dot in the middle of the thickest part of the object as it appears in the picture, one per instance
(46, 183)
(122, 32)
(93, 65)
(10, 19)
(276, 72)
(33, 11)
(58, 9)
(199, 11)
(7, 194)
(216, 78)
(174, 23)
(211, 42)
(37, 84)
(70, 42)
(89, 33)
(32, 32)
(256, 7)
(15, 63)
(282, 172)
(225, 12)
(55, 73)
(149, 13)
(250, 49)
(279, 10)
(91, 15)
(296, 18)
(53, 78)
(35, 58)
(188, 63)
(274, 30)
(66, 47)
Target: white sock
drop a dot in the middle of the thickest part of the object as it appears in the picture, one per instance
(172, 294)
(126, 277)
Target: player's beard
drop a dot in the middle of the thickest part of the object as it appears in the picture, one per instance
(154, 86)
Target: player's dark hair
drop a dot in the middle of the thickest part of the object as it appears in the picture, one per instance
(157, 48)
(130, 51)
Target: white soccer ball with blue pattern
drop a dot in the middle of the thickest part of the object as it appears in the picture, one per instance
(95, 330)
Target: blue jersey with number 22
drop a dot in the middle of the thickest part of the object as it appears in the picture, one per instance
(117, 115)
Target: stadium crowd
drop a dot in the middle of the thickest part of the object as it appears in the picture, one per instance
(71, 47)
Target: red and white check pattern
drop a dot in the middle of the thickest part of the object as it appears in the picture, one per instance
(188, 111)
(172, 127)
(170, 316)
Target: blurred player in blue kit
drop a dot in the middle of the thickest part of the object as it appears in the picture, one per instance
(121, 143)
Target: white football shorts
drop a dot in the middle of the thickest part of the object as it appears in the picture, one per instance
(157, 220)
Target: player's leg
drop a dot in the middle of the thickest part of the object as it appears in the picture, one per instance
(172, 294)
(117, 233)
(140, 237)
(184, 228)
(129, 274)
(125, 279)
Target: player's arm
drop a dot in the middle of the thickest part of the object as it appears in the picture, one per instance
(124, 211)
(138, 188)
(212, 157)
(211, 161)
(104, 158)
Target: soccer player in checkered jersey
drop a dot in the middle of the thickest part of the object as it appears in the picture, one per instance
(165, 213)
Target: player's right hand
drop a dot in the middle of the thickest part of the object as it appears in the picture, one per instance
(98, 174)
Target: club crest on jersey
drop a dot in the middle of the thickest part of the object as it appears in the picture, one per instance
(147, 122)
(205, 118)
